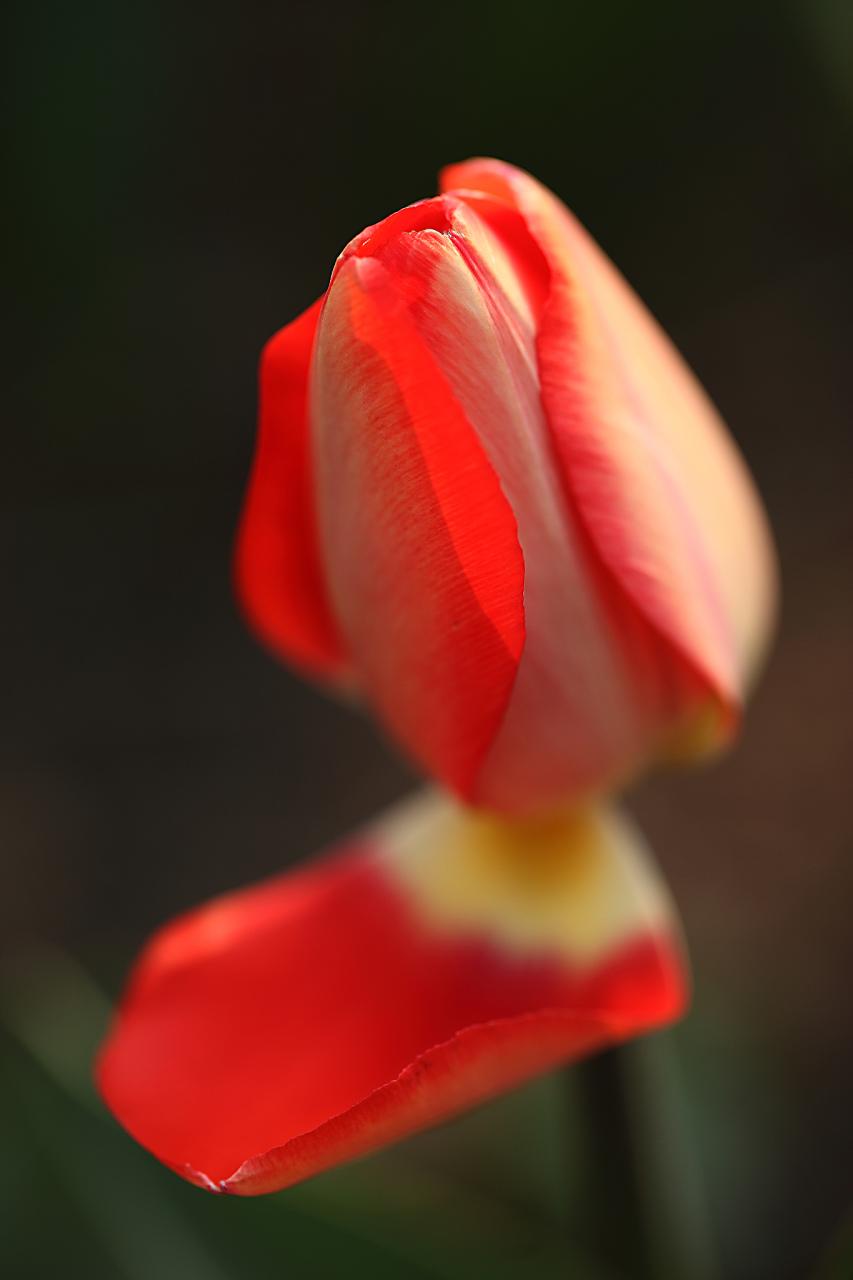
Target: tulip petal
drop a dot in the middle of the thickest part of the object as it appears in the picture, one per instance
(578, 716)
(419, 542)
(441, 957)
(647, 463)
(279, 578)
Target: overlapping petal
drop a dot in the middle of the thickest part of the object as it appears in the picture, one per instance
(647, 465)
(436, 959)
(420, 544)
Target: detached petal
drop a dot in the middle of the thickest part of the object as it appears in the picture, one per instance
(436, 960)
(648, 466)
(279, 578)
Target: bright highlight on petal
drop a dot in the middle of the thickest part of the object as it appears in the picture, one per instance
(420, 544)
(425, 966)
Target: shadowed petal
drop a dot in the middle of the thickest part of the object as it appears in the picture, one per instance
(279, 578)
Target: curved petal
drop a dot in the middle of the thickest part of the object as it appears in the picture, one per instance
(279, 578)
(420, 544)
(578, 717)
(646, 461)
(432, 962)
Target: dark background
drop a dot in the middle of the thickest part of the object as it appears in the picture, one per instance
(182, 178)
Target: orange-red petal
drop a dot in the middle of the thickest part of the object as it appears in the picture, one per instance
(279, 578)
(436, 960)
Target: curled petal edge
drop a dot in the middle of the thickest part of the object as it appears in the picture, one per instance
(438, 1084)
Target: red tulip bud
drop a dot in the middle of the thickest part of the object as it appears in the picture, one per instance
(489, 493)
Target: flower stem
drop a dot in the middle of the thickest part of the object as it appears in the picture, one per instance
(612, 1220)
(644, 1211)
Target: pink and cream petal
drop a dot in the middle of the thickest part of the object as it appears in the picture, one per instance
(647, 464)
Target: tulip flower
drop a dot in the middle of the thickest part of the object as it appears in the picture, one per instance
(490, 501)
(490, 498)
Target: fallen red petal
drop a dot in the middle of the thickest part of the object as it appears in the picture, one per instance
(422, 968)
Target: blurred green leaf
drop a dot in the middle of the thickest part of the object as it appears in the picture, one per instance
(838, 1261)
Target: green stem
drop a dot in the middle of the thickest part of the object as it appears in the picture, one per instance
(645, 1214)
(612, 1214)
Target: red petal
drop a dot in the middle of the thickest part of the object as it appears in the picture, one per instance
(279, 577)
(419, 542)
(647, 463)
(439, 959)
(577, 716)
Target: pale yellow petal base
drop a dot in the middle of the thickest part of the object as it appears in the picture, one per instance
(578, 883)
